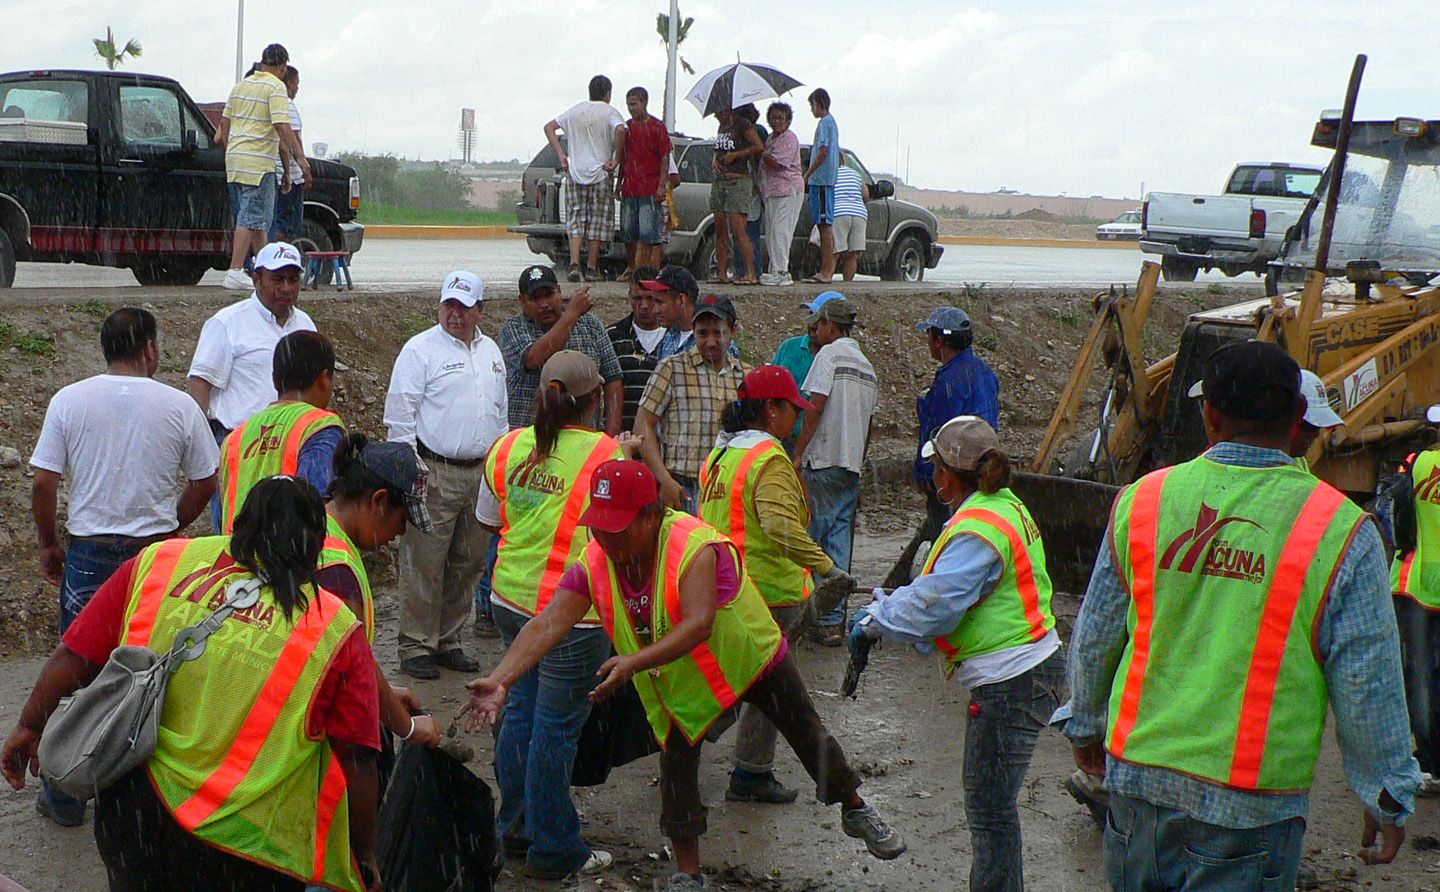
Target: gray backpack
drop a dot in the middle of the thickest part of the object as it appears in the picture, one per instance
(108, 728)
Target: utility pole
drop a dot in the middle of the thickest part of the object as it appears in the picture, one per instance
(240, 42)
(673, 52)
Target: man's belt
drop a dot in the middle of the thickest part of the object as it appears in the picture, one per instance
(429, 454)
(135, 542)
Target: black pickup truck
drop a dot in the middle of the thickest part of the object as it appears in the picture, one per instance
(120, 169)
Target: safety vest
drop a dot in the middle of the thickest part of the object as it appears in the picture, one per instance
(693, 690)
(235, 762)
(1416, 573)
(727, 502)
(340, 551)
(1228, 569)
(540, 508)
(269, 443)
(1017, 610)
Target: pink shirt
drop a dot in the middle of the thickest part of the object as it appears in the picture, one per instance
(787, 179)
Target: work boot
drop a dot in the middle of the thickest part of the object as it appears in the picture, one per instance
(759, 788)
(1090, 793)
(574, 275)
(458, 660)
(882, 840)
(422, 667)
(597, 861)
(485, 627)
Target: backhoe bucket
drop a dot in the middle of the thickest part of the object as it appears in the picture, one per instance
(1072, 515)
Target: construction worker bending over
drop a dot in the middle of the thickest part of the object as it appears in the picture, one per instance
(1233, 597)
(692, 631)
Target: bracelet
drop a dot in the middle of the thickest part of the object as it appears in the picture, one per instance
(411, 732)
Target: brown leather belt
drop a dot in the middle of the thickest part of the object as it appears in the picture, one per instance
(429, 454)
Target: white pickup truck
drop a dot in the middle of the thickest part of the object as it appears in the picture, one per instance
(1239, 231)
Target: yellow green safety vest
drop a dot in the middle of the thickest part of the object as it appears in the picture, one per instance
(695, 689)
(1228, 569)
(727, 502)
(540, 508)
(339, 550)
(1017, 611)
(268, 443)
(235, 762)
(1416, 573)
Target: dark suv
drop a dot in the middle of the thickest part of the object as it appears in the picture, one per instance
(900, 237)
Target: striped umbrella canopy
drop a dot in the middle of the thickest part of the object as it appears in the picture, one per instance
(737, 85)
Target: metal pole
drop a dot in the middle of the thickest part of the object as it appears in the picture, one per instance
(1337, 166)
(240, 42)
(673, 52)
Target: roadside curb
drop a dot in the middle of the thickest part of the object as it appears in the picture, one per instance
(1031, 242)
(390, 230)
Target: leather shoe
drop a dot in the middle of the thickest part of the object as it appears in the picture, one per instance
(423, 667)
(458, 660)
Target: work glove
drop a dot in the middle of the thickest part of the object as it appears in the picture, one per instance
(864, 631)
(835, 586)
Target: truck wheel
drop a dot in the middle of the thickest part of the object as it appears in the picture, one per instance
(1176, 270)
(173, 272)
(313, 237)
(703, 265)
(7, 260)
(906, 262)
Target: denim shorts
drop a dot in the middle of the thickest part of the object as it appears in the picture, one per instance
(254, 206)
(289, 213)
(822, 205)
(640, 220)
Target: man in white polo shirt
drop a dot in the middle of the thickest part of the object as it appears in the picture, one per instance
(447, 398)
(124, 440)
(231, 375)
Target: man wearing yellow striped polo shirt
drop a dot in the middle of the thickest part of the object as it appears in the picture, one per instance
(255, 132)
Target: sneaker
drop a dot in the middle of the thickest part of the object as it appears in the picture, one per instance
(236, 280)
(882, 840)
(485, 627)
(683, 882)
(769, 278)
(759, 788)
(596, 862)
(422, 667)
(784, 280)
(592, 276)
(457, 660)
(574, 275)
(66, 814)
(1429, 785)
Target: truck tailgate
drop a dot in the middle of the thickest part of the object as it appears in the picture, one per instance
(1212, 216)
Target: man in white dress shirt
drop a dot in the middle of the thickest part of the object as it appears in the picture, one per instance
(447, 397)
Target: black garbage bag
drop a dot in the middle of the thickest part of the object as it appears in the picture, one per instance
(616, 734)
(437, 826)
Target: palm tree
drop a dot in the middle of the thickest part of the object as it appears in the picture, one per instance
(682, 29)
(105, 49)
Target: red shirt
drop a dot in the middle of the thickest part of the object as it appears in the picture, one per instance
(347, 706)
(647, 156)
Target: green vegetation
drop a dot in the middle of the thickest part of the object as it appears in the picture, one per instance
(373, 212)
(37, 343)
(108, 49)
(1067, 316)
(964, 213)
(386, 179)
(97, 308)
(988, 341)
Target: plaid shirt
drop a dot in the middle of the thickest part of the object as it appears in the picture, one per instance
(687, 394)
(519, 334)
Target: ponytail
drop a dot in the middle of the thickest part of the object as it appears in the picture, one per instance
(352, 478)
(991, 474)
(278, 536)
(739, 415)
(556, 407)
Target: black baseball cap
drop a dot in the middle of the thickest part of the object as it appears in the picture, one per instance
(715, 305)
(1251, 380)
(674, 278)
(536, 277)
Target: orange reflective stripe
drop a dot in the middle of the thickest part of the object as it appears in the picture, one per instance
(153, 589)
(704, 658)
(339, 544)
(232, 470)
(737, 491)
(284, 675)
(290, 459)
(1275, 624)
(1405, 567)
(570, 522)
(1144, 528)
(502, 461)
(332, 790)
(1024, 570)
(602, 595)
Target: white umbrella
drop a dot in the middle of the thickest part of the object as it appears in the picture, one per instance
(737, 85)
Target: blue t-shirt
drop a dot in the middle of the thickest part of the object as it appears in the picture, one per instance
(963, 386)
(827, 133)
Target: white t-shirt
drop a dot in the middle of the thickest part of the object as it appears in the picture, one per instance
(124, 443)
(846, 379)
(589, 139)
(649, 339)
(449, 396)
(236, 354)
(296, 174)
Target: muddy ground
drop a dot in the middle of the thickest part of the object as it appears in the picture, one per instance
(907, 727)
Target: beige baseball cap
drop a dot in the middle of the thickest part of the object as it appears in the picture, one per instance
(961, 442)
(573, 369)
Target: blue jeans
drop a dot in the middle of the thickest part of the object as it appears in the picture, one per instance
(483, 606)
(834, 494)
(535, 752)
(1005, 719)
(1150, 847)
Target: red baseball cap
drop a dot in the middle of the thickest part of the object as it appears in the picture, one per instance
(772, 382)
(619, 489)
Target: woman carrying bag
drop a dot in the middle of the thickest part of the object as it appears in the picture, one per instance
(264, 775)
(983, 600)
(751, 493)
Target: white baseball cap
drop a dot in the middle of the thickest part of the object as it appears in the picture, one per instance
(278, 255)
(1318, 411)
(464, 286)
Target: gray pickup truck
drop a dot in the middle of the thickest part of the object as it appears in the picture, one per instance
(900, 237)
(1239, 231)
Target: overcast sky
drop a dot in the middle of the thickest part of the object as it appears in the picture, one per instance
(1079, 97)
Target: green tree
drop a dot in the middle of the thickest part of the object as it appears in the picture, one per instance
(682, 30)
(106, 50)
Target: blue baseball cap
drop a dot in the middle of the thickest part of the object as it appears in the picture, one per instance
(820, 300)
(949, 320)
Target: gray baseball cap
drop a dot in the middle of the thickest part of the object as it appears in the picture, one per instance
(947, 319)
(398, 465)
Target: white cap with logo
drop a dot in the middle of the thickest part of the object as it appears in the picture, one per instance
(1318, 411)
(278, 255)
(464, 286)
